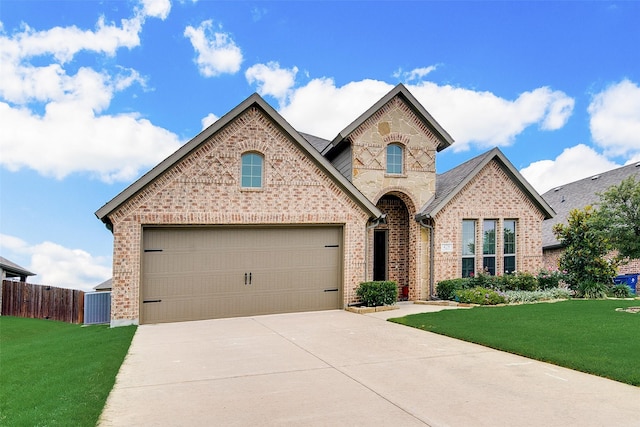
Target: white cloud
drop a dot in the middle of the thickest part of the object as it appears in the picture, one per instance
(415, 74)
(572, 164)
(615, 119)
(471, 117)
(216, 51)
(156, 8)
(322, 109)
(487, 120)
(272, 80)
(68, 125)
(56, 265)
(208, 120)
(112, 147)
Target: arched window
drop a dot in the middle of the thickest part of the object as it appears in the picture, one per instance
(394, 159)
(252, 170)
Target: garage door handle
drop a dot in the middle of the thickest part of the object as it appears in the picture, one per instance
(331, 290)
(245, 278)
(249, 278)
(151, 300)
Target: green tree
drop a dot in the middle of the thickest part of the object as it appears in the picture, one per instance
(618, 217)
(584, 258)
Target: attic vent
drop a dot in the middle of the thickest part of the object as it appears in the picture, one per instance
(638, 165)
(593, 178)
(557, 189)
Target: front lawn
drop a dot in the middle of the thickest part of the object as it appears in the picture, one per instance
(57, 374)
(585, 335)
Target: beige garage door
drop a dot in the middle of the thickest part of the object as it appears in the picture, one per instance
(207, 273)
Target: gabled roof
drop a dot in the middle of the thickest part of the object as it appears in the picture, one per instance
(578, 195)
(453, 181)
(318, 143)
(401, 91)
(14, 268)
(254, 100)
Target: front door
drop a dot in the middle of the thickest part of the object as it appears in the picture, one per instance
(380, 258)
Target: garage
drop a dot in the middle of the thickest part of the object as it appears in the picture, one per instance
(195, 273)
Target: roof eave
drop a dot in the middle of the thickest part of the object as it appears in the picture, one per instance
(522, 183)
(254, 100)
(399, 90)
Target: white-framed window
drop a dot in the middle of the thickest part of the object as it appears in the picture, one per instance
(468, 247)
(395, 155)
(252, 167)
(509, 246)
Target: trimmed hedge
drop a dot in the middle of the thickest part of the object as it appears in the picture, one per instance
(375, 294)
(484, 296)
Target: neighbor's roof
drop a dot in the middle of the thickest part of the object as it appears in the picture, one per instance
(578, 195)
(14, 268)
(254, 100)
(453, 181)
(106, 285)
(401, 91)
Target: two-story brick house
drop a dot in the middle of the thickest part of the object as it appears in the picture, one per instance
(253, 217)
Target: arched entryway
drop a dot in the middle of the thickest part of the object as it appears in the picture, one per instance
(392, 243)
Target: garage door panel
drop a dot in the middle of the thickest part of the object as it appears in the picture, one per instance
(199, 273)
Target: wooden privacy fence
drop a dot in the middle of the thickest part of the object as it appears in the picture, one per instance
(42, 302)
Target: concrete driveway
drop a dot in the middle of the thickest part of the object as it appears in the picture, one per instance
(335, 368)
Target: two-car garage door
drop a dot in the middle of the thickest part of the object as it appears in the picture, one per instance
(205, 273)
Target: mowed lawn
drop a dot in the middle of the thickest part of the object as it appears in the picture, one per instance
(585, 335)
(57, 374)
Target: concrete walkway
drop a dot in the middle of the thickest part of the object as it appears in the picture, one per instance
(336, 368)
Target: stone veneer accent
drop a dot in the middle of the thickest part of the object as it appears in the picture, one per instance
(394, 123)
(491, 194)
(203, 189)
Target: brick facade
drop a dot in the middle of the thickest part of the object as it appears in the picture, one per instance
(491, 194)
(204, 189)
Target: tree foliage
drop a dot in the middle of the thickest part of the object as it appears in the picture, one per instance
(584, 258)
(618, 217)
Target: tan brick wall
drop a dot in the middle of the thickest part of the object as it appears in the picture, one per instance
(204, 189)
(394, 123)
(490, 195)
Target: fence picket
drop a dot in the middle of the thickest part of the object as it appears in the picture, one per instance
(42, 302)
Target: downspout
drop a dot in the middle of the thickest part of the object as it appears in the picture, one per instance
(422, 218)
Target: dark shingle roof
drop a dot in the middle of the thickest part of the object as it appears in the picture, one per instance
(12, 267)
(318, 143)
(578, 195)
(104, 286)
(453, 181)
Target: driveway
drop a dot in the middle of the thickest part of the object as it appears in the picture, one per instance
(335, 368)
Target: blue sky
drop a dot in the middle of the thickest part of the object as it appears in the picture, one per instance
(95, 93)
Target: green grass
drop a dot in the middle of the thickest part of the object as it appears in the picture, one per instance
(585, 335)
(57, 374)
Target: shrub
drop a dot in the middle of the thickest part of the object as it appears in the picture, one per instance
(549, 279)
(482, 280)
(446, 289)
(378, 293)
(540, 295)
(484, 296)
(621, 291)
(591, 290)
(526, 282)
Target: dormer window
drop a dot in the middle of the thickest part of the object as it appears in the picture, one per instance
(251, 170)
(394, 159)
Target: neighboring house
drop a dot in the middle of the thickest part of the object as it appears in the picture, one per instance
(252, 217)
(578, 195)
(11, 270)
(103, 287)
